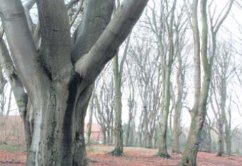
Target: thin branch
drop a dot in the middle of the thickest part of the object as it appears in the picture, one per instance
(220, 22)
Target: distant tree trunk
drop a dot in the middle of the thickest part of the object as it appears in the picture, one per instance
(167, 96)
(220, 138)
(118, 149)
(104, 136)
(178, 106)
(150, 142)
(131, 105)
(228, 145)
(228, 133)
(89, 130)
(176, 131)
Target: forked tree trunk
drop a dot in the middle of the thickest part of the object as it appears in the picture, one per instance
(61, 135)
(58, 79)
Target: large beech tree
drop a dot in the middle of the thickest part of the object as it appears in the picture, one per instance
(52, 72)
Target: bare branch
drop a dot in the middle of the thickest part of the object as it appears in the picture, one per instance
(90, 65)
(220, 22)
(55, 38)
(91, 26)
(21, 45)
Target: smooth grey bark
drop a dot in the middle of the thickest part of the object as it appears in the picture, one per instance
(59, 85)
(198, 112)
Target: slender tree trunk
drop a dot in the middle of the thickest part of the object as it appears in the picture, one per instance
(220, 138)
(118, 149)
(104, 136)
(150, 137)
(176, 132)
(201, 94)
(177, 115)
(89, 132)
(127, 142)
(228, 147)
(167, 97)
(178, 108)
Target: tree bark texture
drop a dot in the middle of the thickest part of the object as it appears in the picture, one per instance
(58, 77)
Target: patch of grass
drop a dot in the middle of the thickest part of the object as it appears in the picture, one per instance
(12, 148)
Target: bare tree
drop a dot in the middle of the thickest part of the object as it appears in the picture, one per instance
(58, 76)
(198, 112)
(180, 32)
(199, 109)
(118, 68)
(162, 25)
(147, 73)
(103, 100)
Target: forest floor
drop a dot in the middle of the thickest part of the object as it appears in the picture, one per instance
(99, 156)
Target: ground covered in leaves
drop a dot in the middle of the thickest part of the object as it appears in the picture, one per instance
(99, 156)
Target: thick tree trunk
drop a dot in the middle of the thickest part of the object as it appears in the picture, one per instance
(190, 153)
(62, 132)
